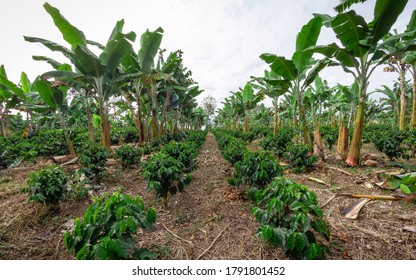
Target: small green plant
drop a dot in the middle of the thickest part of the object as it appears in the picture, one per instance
(389, 142)
(406, 183)
(257, 169)
(299, 157)
(105, 232)
(129, 155)
(234, 150)
(184, 152)
(329, 134)
(277, 144)
(290, 218)
(47, 185)
(165, 175)
(93, 160)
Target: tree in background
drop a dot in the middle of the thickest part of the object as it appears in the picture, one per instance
(209, 104)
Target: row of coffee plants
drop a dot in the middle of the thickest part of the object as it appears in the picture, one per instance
(393, 142)
(105, 231)
(168, 171)
(288, 213)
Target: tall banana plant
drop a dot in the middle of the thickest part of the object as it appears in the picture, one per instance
(410, 59)
(100, 72)
(361, 53)
(273, 86)
(248, 101)
(301, 70)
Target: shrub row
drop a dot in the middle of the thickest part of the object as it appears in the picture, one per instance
(288, 213)
(168, 171)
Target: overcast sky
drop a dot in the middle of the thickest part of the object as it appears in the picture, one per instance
(221, 39)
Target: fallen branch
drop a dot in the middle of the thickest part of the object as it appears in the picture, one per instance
(371, 196)
(178, 237)
(213, 242)
(340, 170)
(319, 181)
(329, 200)
(72, 161)
(352, 211)
(375, 234)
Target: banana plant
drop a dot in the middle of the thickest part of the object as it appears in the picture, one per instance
(361, 53)
(410, 59)
(273, 86)
(23, 97)
(248, 101)
(301, 70)
(100, 72)
(55, 98)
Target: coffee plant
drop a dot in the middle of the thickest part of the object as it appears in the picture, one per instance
(165, 175)
(93, 160)
(46, 186)
(257, 169)
(128, 155)
(291, 219)
(299, 157)
(106, 230)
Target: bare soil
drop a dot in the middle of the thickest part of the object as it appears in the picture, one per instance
(210, 219)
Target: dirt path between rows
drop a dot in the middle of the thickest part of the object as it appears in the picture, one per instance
(209, 210)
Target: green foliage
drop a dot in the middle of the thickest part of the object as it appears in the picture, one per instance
(47, 185)
(329, 134)
(198, 137)
(164, 175)
(184, 152)
(129, 155)
(299, 157)
(389, 142)
(234, 151)
(406, 183)
(257, 169)
(105, 232)
(290, 218)
(278, 143)
(93, 160)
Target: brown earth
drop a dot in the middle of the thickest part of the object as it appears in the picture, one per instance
(210, 219)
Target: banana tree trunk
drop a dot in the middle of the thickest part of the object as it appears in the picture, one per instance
(402, 118)
(163, 123)
(175, 121)
(413, 124)
(89, 121)
(105, 125)
(71, 149)
(246, 121)
(342, 144)
(318, 148)
(353, 157)
(276, 120)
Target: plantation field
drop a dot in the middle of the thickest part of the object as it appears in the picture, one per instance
(116, 152)
(210, 210)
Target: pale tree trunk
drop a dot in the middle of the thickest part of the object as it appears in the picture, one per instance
(89, 120)
(276, 118)
(413, 124)
(353, 157)
(402, 118)
(246, 122)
